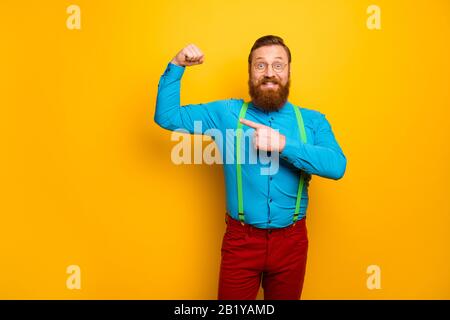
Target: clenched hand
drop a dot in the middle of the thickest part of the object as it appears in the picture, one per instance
(191, 55)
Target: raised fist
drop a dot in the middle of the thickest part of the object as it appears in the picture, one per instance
(189, 56)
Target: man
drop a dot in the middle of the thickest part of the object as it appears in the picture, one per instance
(266, 239)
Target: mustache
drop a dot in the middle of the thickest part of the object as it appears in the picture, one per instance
(268, 79)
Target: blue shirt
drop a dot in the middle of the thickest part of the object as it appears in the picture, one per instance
(269, 199)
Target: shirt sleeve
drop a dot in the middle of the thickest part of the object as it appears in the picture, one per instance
(195, 118)
(323, 158)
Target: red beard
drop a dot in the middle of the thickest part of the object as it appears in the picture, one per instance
(269, 99)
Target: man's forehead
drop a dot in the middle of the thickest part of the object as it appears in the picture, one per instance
(274, 52)
(263, 57)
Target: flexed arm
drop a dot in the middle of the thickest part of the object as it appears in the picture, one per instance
(169, 114)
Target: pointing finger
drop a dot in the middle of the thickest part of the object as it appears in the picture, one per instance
(251, 123)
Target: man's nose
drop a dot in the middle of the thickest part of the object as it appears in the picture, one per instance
(269, 71)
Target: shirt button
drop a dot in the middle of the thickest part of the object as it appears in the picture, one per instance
(270, 178)
(270, 200)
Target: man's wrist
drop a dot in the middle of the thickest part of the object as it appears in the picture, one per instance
(174, 71)
(175, 62)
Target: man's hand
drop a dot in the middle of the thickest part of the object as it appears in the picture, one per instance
(189, 56)
(265, 138)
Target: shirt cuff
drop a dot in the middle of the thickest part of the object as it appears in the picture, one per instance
(174, 71)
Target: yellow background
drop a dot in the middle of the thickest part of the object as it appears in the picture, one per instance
(87, 177)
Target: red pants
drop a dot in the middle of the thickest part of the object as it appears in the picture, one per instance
(274, 257)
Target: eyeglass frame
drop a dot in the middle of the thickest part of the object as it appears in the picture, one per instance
(267, 64)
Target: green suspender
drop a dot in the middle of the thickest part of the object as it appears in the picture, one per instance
(301, 127)
(238, 162)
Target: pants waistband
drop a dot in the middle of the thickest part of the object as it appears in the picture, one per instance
(236, 224)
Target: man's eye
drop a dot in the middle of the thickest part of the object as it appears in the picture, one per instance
(260, 65)
(278, 66)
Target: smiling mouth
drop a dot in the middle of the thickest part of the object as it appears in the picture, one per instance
(269, 85)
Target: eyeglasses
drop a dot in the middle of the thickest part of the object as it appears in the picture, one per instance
(276, 66)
